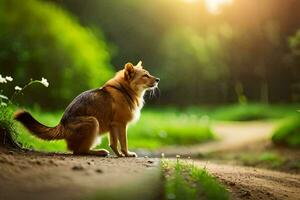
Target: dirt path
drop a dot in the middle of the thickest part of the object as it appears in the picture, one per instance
(57, 176)
(253, 183)
(39, 176)
(231, 135)
(243, 182)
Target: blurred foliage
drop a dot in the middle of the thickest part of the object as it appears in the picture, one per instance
(198, 60)
(249, 112)
(267, 159)
(248, 52)
(242, 54)
(294, 43)
(38, 39)
(244, 112)
(288, 133)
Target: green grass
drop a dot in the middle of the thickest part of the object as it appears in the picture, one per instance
(250, 112)
(160, 127)
(6, 125)
(5, 119)
(29, 141)
(268, 158)
(186, 181)
(154, 129)
(288, 133)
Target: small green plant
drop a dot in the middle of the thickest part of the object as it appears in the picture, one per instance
(8, 131)
(288, 133)
(186, 181)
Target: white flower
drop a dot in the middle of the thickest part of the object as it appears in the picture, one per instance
(44, 82)
(3, 97)
(9, 78)
(177, 156)
(2, 79)
(3, 104)
(18, 88)
(162, 155)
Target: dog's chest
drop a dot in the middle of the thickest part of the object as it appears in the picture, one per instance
(136, 114)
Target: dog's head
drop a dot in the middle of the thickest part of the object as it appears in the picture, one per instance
(138, 78)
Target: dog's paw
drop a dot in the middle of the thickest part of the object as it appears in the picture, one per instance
(120, 155)
(131, 154)
(101, 153)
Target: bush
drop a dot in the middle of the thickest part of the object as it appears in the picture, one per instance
(38, 39)
(288, 133)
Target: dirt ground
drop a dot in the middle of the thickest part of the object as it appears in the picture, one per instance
(282, 158)
(254, 183)
(230, 135)
(54, 176)
(31, 175)
(244, 182)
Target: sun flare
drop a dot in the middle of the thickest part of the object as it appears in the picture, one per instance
(213, 6)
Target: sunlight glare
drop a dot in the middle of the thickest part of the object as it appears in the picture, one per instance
(213, 6)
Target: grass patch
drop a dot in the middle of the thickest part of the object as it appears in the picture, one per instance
(5, 119)
(288, 133)
(29, 141)
(7, 128)
(161, 127)
(155, 129)
(250, 112)
(186, 181)
(23, 137)
(270, 159)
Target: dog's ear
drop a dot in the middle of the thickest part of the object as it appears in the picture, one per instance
(139, 65)
(129, 71)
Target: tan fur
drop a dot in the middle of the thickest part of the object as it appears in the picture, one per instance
(95, 112)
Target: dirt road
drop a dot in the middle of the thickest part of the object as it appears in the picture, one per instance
(57, 176)
(243, 182)
(230, 135)
(253, 183)
(39, 176)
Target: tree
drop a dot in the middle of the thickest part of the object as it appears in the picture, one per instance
(38, 39)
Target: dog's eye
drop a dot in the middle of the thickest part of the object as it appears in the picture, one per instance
(146, 76)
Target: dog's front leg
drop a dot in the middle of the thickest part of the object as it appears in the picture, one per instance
(113, 141)
(122, 135)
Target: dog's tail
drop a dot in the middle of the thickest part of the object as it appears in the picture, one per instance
(38, 129)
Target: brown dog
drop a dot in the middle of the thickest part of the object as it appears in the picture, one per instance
(107, 109)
